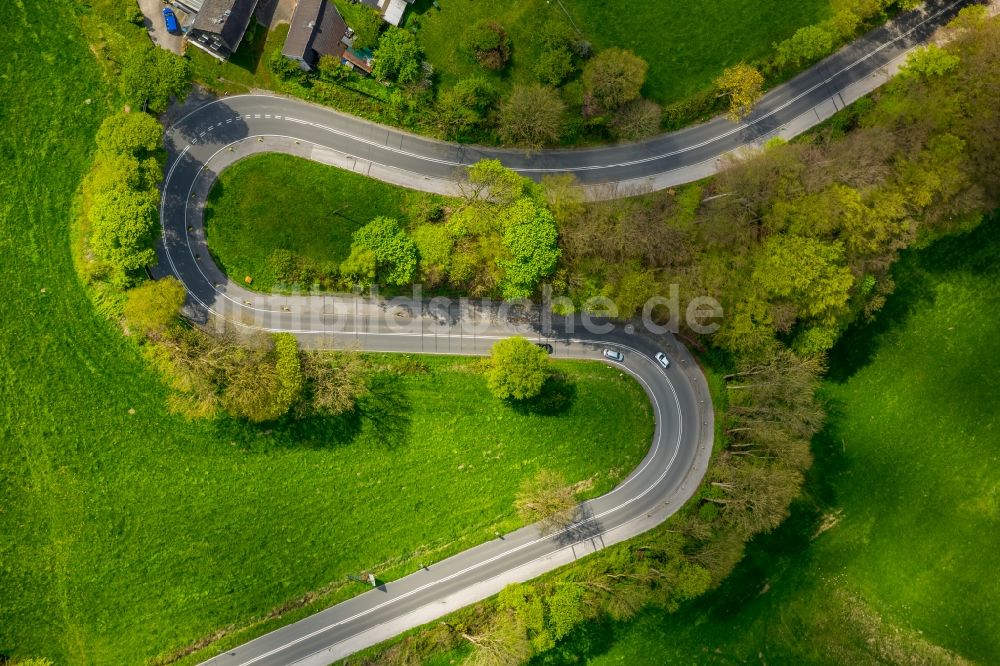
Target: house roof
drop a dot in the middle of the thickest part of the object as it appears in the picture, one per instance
(227, 18)
(394, 11)
(315, 30)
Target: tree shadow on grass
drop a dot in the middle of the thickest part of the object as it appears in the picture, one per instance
(557, 397)
(977, 251)
(383, 418)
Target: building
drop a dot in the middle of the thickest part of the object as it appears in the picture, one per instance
(317, 29)
(392, 10)
(219, 26)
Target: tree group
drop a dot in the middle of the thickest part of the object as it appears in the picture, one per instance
(121, 198)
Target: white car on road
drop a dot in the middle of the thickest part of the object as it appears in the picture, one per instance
(616, 356)
(662, 359)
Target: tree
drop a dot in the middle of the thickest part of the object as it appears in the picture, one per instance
(614, 76)
(531, 117)
(546, 498)
(531, 242)
(463, 108)
(743, 85)
(367, 25)
(756, 496)
(151, 76)
(554, 66)
(565, 607)
(636, 119)
(517, 369)
(806, 273)
(930, 60)
(153, 306)
(491, 182)
(393, 253)
(333, 382)
(489, 44)
(435, 246)
(806, 44)
(138, 135)
(397, 57)
(564, 196)
(262, 384)
(288, 367)
(122, 222)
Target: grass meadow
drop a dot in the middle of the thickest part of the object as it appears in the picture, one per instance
(128, 532)
(270, 202)
(891, 557)
(687, 44)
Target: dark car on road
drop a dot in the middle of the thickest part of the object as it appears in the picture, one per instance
(170, 19)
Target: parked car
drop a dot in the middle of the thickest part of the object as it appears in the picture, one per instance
(662, 359)
(170, 19)
(616, 356)
(546, 346)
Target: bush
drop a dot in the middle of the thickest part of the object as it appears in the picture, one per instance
(532, 116)
(806, 45)
(284, 68)
(397, 57)
(151, 76)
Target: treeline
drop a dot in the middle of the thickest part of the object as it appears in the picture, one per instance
(258, 379)
(796, 242)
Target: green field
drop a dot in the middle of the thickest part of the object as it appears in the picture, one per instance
(270, 202)
(686, 44)
(129, 532)
(893, 556)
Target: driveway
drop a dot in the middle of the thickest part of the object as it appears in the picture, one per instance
(152, 11)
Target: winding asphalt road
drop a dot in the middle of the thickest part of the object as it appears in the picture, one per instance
(209, 138)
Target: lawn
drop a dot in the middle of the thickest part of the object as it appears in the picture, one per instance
(270, 202)
(893, 556)
(128, 532)
(686, 44)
